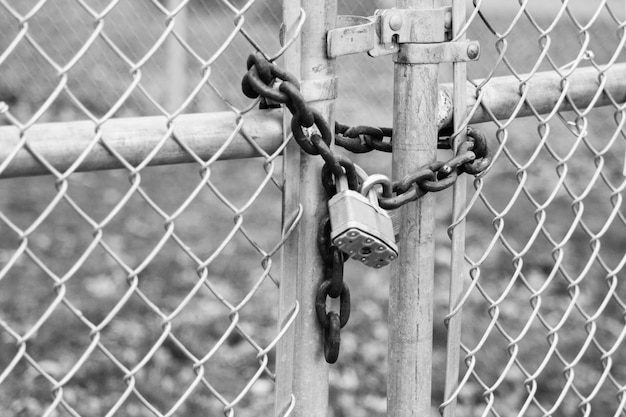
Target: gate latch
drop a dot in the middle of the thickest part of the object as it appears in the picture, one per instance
(429, 32)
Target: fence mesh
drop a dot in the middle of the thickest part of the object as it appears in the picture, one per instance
(145, 290)
(152, 290)
(543, 303)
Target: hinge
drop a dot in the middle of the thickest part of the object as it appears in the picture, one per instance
(383, 33)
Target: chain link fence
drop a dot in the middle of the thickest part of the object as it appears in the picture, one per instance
(143, 290)
(153, 290)
(541, 300)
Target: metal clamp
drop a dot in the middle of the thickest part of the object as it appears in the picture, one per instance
(382, 34)
(355, 35)
(414, 26)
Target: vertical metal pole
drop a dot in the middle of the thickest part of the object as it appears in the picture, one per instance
(411, 287)
(176, 59)
(285, 349)
(457, 261)
(302, 263)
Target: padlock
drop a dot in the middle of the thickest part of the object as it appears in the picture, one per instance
(359, 227)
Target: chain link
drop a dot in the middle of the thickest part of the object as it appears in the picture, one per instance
(332, 286)
(472, 157)
(363, 139)
(260, 80)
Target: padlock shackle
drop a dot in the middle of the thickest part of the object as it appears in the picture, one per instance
(360, 172)
(377, 179)
(341, 183)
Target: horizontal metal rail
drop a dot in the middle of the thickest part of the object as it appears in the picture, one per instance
(60, 144)
(501, 95)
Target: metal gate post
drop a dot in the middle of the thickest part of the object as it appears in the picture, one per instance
(411, 287)
(285, 348)
(457, 233)
(302, 372)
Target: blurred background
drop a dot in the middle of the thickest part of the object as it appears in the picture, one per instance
(90, 266)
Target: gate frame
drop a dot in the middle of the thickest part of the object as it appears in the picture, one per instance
(301, 371)
(305, 392)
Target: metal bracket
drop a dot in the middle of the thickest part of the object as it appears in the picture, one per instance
(383, 33)
(355, 35)
(436, 53)
(414, 26)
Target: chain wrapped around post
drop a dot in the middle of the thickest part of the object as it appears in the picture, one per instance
(363, 139)
(314, 136)
(259, 81)
(472, 157)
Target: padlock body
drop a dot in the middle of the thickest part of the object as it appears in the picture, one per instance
(361, 229)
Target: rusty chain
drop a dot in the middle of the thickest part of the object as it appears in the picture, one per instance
(332, 286)
(363, 139)
(472, 157)
(259, 81)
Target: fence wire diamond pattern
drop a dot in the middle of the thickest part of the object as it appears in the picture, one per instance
(153, 290)
(545, 245)
(146, 289)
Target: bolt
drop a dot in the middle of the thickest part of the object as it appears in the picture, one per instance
(395, 22)
(473, 51)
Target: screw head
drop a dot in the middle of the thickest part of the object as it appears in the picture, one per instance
(395, 22)
(473, 51)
